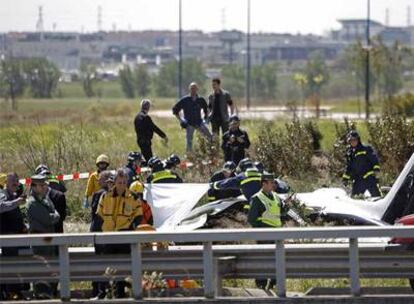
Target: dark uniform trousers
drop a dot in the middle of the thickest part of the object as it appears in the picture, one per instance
(360, 185)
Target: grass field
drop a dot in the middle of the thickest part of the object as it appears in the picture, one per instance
(68, 134)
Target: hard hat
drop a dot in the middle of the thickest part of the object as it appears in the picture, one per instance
(133, 156)
(41, 168)
(353, 134)
(3, 179)
(155, 164)
(102, 159)
(259, 166)
(229, 166)
(173, 160)
(234, 118)
(244, 164)
(137, 187)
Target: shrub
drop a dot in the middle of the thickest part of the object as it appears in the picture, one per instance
(400, 105)
(393, 138)
(286, 151)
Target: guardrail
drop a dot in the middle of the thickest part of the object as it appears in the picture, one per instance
(207, 237)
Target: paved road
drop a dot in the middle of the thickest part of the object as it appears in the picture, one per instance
(270, 113)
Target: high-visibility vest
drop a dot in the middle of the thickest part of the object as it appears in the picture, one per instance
(271, 216)
(160, 175)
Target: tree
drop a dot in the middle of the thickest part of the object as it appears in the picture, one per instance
(165, 83)
(127, 81)
(234, 78)
(356, 56)
(88, 76)
(142, 80)
(317, 75)
(264, 81)
(12, 83)
(43, 77)
(387, 66)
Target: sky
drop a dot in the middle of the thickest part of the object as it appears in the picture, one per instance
(287, 16)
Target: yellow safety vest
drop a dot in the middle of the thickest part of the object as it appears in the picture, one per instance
(271, 216)
(165, 174)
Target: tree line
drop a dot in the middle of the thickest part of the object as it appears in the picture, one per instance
(40, 77)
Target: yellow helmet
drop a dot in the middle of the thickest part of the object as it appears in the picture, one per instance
(3, 179)
(137, 187)
(102, 159)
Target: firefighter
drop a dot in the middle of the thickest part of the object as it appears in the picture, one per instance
(228, 171)
(362, 166)
(247, 181)
(235, 141)
(159, 174)
(53, 182)
(138, 188)
(119, 209)
(172, 162)
(93, 185)
(133, 166)
(265, 212)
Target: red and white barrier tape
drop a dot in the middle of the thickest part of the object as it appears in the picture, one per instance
(77, 175)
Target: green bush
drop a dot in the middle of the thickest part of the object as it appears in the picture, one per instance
(401, 105)
(393, 138)
(287, 151)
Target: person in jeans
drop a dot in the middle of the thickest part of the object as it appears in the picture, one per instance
(218, 102)
(191, 105)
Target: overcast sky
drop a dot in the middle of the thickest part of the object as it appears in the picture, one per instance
(293, 16)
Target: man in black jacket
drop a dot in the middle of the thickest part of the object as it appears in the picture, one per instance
(59, 201)
(235, 141)
(145, 128)
(218, 103)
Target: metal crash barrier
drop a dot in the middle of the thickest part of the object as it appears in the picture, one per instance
(280, 259)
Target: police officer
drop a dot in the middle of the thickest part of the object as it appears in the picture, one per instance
(247, 181)
(145, 129)
(227, 171)
(160, 174)
(235, 141)
(119, 210)
(43, 218)
(362, 166)
(265, 212)
(133, 166)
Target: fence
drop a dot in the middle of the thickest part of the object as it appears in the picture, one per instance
(207, 238)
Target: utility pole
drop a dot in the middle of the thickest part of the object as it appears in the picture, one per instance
(180, 50)
(367, 71)
(248, 62)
